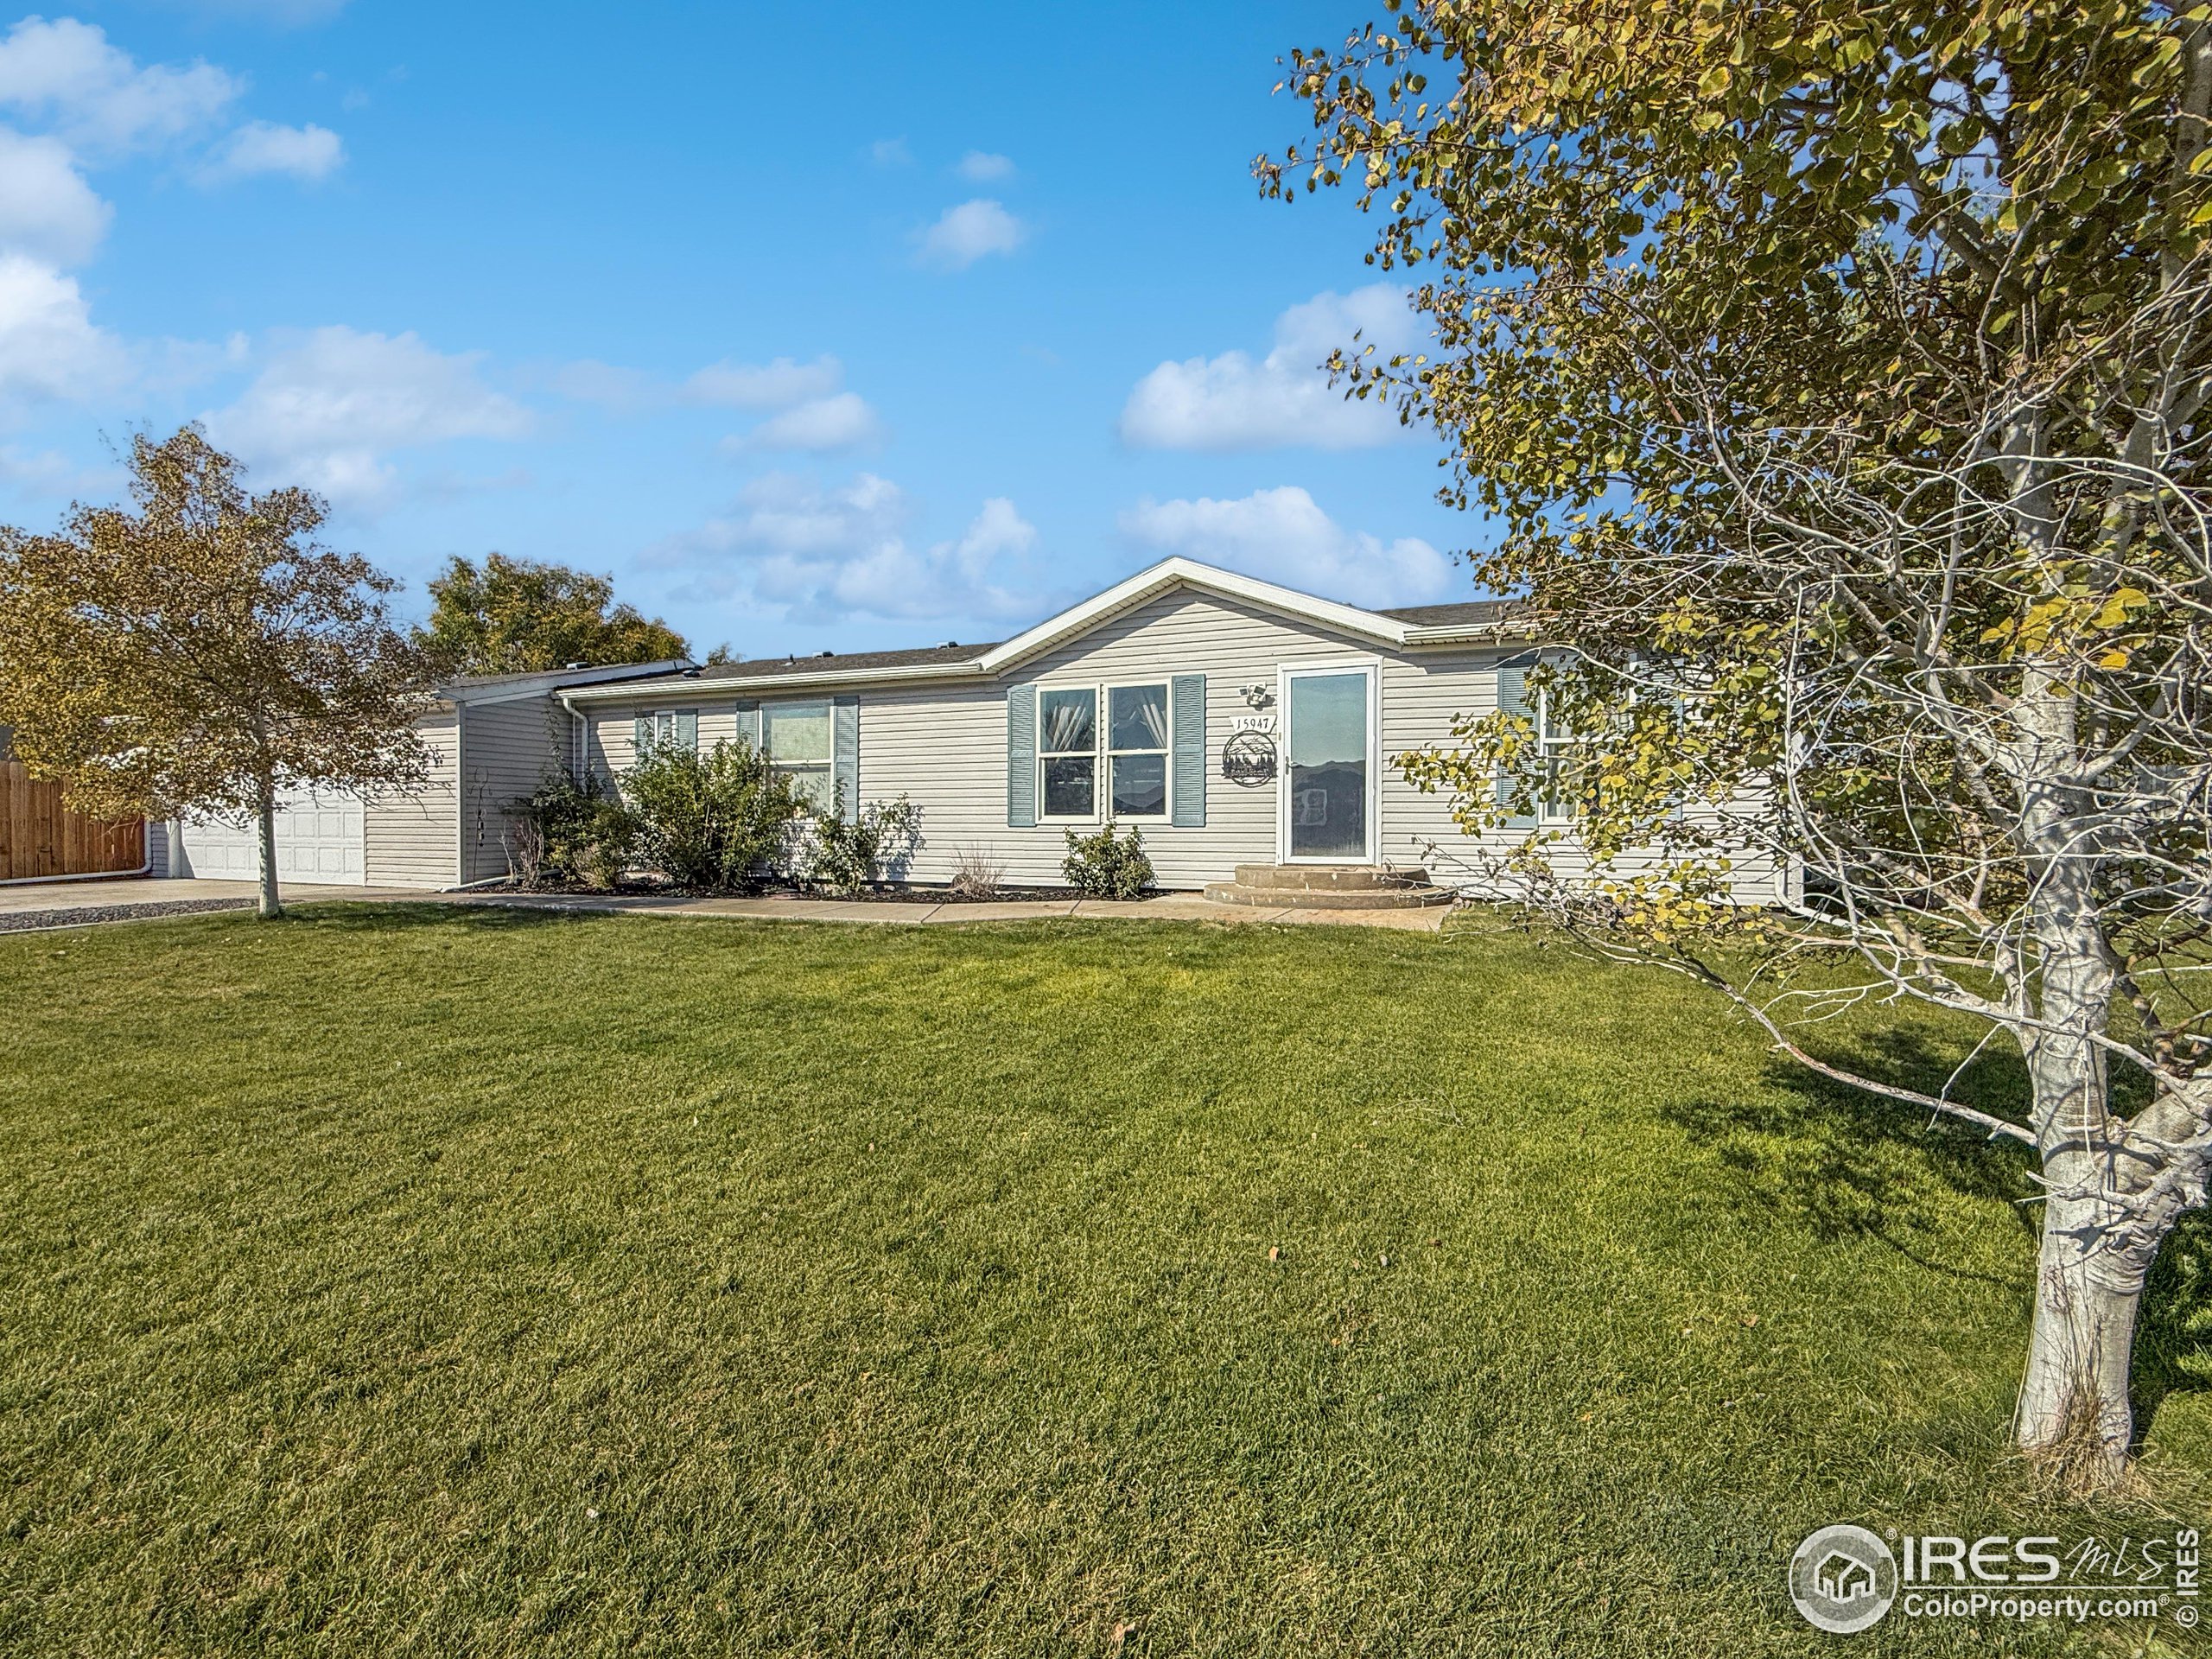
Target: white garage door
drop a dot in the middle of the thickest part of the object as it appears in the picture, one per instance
(318, 839)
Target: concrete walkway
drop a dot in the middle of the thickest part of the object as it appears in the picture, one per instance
(61, 904)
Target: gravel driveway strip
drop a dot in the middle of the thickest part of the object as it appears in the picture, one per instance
(27, 921)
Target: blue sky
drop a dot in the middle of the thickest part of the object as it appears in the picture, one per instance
(903, 327)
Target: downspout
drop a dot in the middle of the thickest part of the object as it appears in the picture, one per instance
(579, 742)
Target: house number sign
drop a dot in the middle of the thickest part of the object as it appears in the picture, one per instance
(1249, 758)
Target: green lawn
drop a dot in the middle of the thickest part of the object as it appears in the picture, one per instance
(437, 1281)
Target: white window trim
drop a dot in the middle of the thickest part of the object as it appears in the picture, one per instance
(1165, 686)
(1096, 751)
(1102, 753)
(785, 768)
(1285, 673)
(1550, 809)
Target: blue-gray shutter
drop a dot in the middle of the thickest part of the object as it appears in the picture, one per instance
(641, 736)
(687, 729)
(845, 752)
(1186, 698)
(1513, 699)
(748, 724)
(1022, 756)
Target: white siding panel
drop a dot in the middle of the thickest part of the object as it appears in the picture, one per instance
(414, 837)
(506, 749)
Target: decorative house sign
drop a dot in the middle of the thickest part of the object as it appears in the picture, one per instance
(1252, 723)
(1249, 758)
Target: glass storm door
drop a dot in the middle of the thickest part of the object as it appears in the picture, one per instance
(1327, 786)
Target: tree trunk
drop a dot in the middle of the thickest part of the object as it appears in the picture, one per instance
(2074, 1412)
(271, 904)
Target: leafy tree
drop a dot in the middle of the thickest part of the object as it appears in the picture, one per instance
(1838, 372)
(521, 616)
(199, 651)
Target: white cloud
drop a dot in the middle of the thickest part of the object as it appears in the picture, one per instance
(1232, 402)
(890, 152)
(99, 98)
(50, 349)
(821, 426)
(981, 166)
(964, 234)
(331, 404)
(309, 154)
(46, 207)
(764, 385)
(843, 552)
(1282, 535)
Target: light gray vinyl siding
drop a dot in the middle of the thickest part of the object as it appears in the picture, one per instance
(413, 839)
(946, 747)
(506, 750)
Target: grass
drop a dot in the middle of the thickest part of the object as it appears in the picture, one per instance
(420, 1281)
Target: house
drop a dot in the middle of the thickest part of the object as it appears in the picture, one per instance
(491, 740)
(1236, 722)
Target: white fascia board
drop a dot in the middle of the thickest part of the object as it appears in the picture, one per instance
(1179, 572)
(1468, 633)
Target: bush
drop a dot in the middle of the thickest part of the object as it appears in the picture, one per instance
(1105, 867)
(976, 875)
(719, 819)
(846, 855)
(570, 832)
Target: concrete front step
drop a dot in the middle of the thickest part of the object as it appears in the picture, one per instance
(1371, 898)
(1329, 878)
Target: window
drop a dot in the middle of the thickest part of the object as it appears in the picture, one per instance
(1067, 753)
(1136, 743)
(795, 737)
(1119, 765)
(666, 727)
(1556, 745)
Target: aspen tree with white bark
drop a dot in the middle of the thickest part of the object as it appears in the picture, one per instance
(1838, 372)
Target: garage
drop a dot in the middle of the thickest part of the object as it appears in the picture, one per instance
(319, 838)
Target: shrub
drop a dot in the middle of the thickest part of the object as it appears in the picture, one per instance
(849, 855)
(1106, 867)
(719, 819)
(568, 832)
(976, 875)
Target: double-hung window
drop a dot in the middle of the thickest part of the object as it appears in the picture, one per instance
(1556, 744)
(1118, 764)
(797, 740)
(1136, 744)
(664, 727)
(1067, 753)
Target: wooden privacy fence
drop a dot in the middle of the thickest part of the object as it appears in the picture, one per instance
(38, 836)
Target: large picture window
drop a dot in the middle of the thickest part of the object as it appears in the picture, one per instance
(1136, 743)
(1067, 753)
(796, 737)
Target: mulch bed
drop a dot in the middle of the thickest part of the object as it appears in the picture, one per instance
(24, 921)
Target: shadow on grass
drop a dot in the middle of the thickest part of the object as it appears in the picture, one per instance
(1844, 1163)
(354, 916)
(2173, 1338)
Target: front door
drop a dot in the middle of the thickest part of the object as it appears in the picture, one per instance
(1328, 783)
